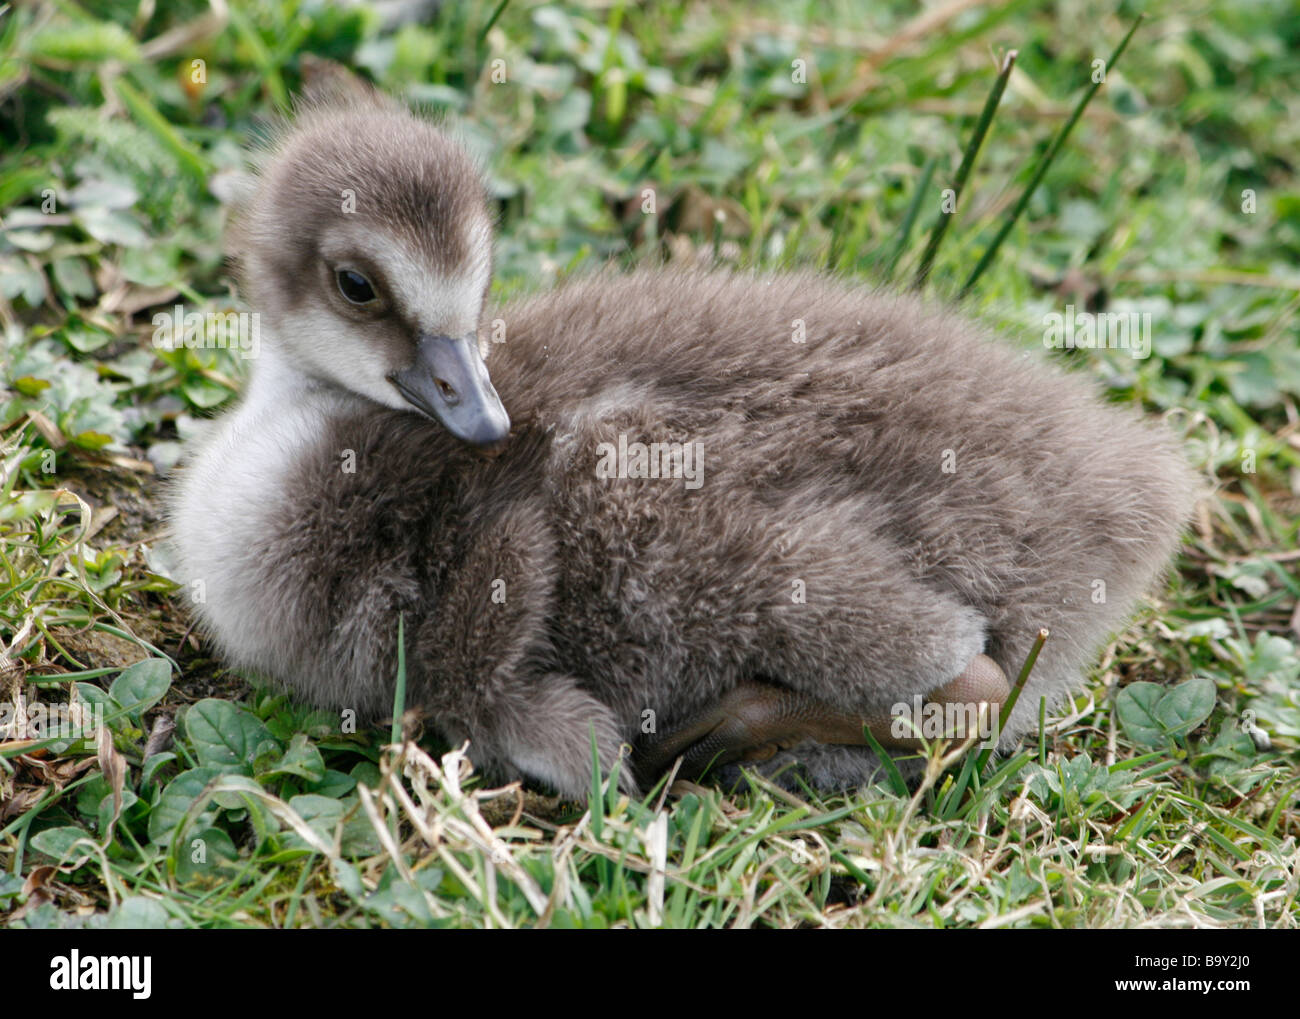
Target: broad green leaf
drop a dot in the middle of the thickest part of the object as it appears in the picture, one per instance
(1152, 714)
(31, 240)
(204, 394)
(224, 736)
(19, 279)
(89, 42)
(137, 912)
(203, 855)
(1186, 706)
(153, 764)
(320, 812)
(73, 278)
(96, 698)
(334, 784)
(29, 386)
(87, 341)
(57, 843)
(110, 226)
(91, 440)
(104, 814)
(301, 759)
(142, 685)
(348, 878)
(175, 802)
(1137, 706)
(359, 836)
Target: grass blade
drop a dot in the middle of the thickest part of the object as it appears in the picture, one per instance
(892, 773)
(1043, 164)
(492, 20)
(1016, 690)
(909, 218)
(399, 694)
(963, 171)
(147, 115)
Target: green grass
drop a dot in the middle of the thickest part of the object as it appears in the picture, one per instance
(1145, 805)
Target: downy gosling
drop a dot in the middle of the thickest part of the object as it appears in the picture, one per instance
(734, 518)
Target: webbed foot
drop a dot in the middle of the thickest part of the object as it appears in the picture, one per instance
(753, 721)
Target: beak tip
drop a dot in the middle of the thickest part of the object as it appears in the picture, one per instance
(492, 450)
(490, 433)
(476, 415)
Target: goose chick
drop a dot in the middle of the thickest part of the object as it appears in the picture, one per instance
(866, 498)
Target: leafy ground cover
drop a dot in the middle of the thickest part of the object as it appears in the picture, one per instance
(768, 134)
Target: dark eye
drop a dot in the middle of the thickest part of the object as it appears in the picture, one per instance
(355, 287)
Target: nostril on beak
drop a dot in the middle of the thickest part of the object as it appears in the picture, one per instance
(447, 390)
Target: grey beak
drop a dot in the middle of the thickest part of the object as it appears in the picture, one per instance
(450, 382)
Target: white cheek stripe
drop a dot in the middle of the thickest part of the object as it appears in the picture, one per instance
(448, 305)
(318, 343)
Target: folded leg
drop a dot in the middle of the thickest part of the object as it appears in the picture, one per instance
(756, 721)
